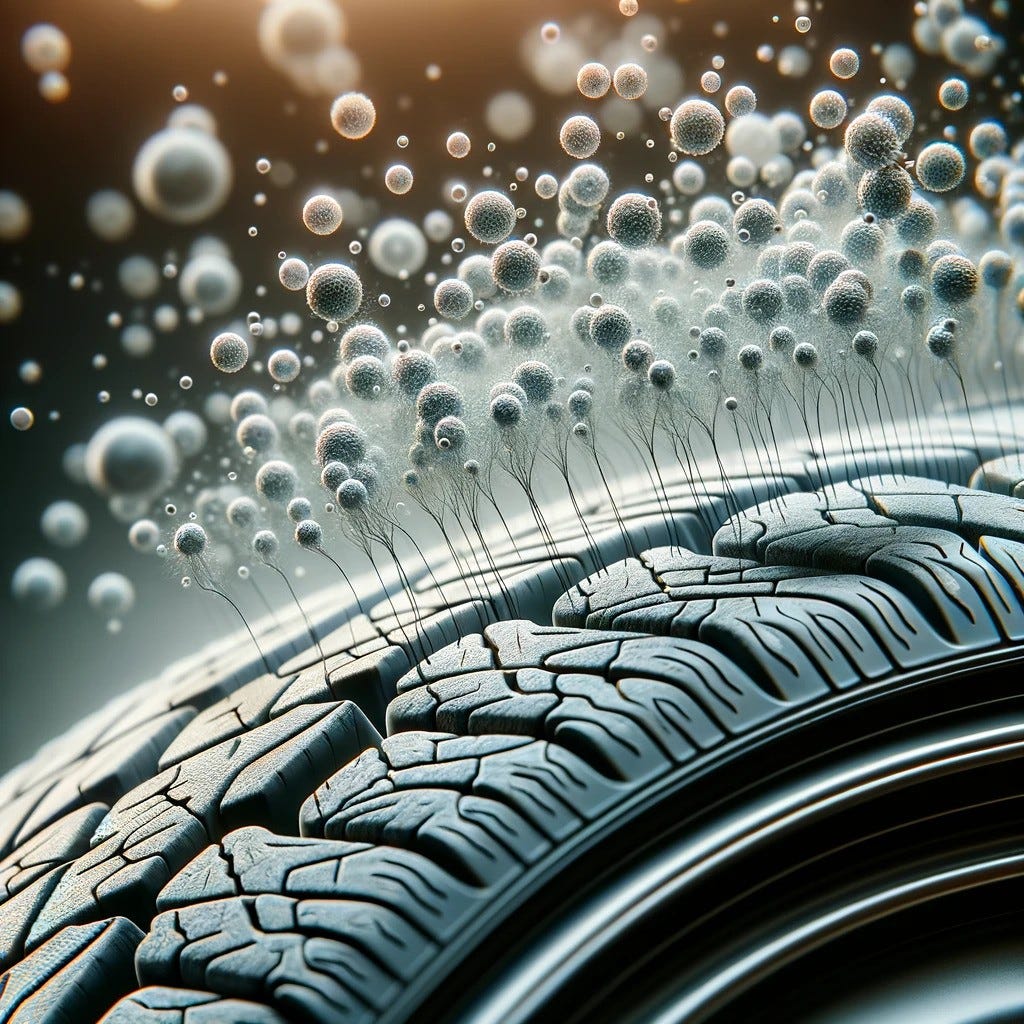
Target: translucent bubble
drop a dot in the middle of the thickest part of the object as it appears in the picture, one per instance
(987, 139)
(627, 8)
(697, 127)
(182, 176)
(580, 136)
(144, 535)
(130, 456)
(110, 215)
(398, 179)
(111, 593)
(546, 186)
(689, 178)
(322, 214)
(210, 282)
(334, 292)
(139, 277)
(22, 418)
(64, 523)
(15, 216)
(10, 302)
(54, 87)
(229, 352)
(828, 109)
(293, 274)
(353, 115)
(803, 24)
(593, 80)
(509, 116)
(397, 247)
(39, 584)
(45, 48)
(187, 431)
(794, 61)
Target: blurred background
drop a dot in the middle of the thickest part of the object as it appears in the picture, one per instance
(126, 58)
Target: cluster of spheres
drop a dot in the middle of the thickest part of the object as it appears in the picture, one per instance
(692, 270)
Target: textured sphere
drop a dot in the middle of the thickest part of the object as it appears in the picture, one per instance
(580, 136)
(515, 266)
(706, 244)
(940, 167)
(490, 217)
(322, 214)
(871, 141)
(954, 279)
(334, 292)
(593, 80)
(229, 352)
(634, 220)
(885, 192)
(697, 127)
(353, 115)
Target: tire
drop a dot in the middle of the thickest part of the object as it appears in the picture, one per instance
(739, 777)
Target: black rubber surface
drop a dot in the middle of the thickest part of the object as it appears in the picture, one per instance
(456, 839)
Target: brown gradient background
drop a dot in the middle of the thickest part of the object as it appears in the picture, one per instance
(126, 59)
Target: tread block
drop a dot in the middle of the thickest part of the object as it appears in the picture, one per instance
(158, 1005)
(259, 777)
(74, 976)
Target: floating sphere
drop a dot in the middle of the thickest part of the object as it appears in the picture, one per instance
(111, 593)
(525, 327)
(366, 377)
(917, 224)
(756, 222)
(130, 456)
(363, 340)
(44, 48)
(580, 136)
(188, 432)
(509, 115)
(353, 115)
(634, 220)
(64, 523)
(740, 100)
(182, 175)
(611, 328)
(844, 62)
(689, 178)
(190, 540)
(537, 380)
(490, 217)
(110, 215)
(210, 282)
(987, 139)
(637, 356)
(412, 371)
(10, 302)
(897, 112)
(828, 109)
(397, 247)
(697, 127)
(322, 214)
(144, 535)
(453, 299)
(515, 266)
(39, 584)
(334, 292)
(398, 179)
(762, 301)
(293, 274)
(630, 81)
(229, 352)
(706, 244)
(954, 279)
(845, 302)
(940, 167)
(954, 94)
(438, 400)
(871, 141)
(593, 80)
(276, 481)
(284, 365)
(15, 216)
(458, 145)
(885, 192)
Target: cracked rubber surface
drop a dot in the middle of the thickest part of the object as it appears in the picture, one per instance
(225, 845)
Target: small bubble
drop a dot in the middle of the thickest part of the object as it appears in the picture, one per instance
(180, 93)
(263, 165)
(185, 383)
